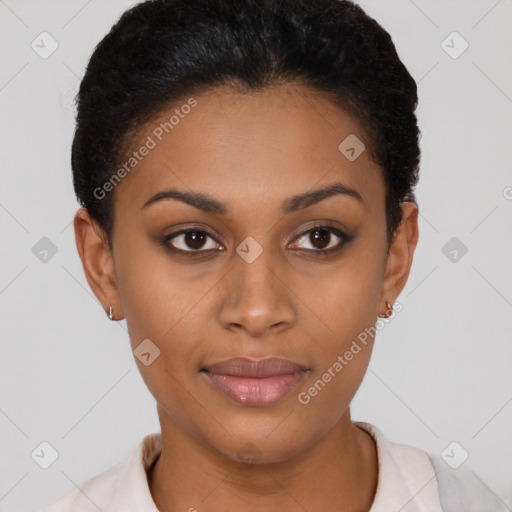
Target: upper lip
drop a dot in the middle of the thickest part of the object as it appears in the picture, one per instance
(255, 368)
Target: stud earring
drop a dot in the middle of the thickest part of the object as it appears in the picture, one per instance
(389, 311)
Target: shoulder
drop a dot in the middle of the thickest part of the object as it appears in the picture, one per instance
(462, 489)
(455, 490)
(89, 496)
(120, 487)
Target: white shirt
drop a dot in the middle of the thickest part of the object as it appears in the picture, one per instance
(409, 480)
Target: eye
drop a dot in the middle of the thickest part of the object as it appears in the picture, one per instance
(321, 239)
(191, 240)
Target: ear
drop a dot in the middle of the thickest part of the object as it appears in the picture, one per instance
(97, 262)
(401, 254)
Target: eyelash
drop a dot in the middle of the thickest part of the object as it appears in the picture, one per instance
(344, 239)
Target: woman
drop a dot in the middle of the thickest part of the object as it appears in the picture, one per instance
(247, 172)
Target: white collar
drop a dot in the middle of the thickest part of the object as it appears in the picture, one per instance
(406, 482)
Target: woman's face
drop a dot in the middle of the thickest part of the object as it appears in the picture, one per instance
(252, 280)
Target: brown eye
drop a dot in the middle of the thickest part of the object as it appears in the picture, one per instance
(321, 239)
(191, 241)
(194, 239)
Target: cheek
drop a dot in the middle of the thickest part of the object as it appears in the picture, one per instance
(345, 302)
(342, 353)
(156, 294)
(345, 298)
(163, 303)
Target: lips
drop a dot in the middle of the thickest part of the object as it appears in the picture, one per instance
(255, 382)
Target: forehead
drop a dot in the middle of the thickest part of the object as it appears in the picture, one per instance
(270, 143)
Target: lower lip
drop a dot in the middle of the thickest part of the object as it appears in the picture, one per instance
(253, 391)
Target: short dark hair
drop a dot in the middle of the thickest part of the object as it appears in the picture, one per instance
(161, 51)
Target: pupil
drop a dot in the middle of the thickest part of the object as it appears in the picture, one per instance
(195, 239)
(320, 236)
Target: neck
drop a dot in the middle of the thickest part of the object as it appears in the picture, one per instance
(339, 472)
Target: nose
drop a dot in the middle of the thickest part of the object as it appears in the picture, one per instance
(257, 298)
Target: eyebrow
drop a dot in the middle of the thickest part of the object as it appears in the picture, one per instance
(208, 204)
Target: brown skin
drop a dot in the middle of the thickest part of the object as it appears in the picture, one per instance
(251, 152)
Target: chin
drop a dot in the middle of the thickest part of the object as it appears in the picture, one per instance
(262, 442)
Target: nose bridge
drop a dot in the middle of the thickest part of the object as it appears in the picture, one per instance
(258, 276)
(257, 299)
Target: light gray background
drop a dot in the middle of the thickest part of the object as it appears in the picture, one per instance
(441, 370)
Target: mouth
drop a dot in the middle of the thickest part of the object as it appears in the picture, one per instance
(255, 382)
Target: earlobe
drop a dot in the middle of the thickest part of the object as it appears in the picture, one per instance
(97, 261)
(401, 252)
